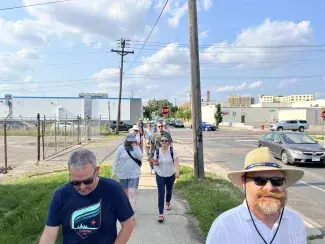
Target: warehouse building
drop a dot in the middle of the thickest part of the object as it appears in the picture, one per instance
(59, 108)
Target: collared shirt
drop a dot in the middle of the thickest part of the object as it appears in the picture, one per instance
(235, 226)
(124, 165)
(166, 166)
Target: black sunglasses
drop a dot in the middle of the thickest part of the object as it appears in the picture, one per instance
(262, 181)
(86, 182)
(163, 141)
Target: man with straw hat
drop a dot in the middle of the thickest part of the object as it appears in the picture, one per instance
(263, 217)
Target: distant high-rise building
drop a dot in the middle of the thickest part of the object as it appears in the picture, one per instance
(239, 101)
(286, 99)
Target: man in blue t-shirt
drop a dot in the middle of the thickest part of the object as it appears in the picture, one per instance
(88, 207)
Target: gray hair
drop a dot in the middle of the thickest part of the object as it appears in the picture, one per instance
(80, 158)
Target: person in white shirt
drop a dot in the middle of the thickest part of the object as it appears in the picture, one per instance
(166, 167)
(263, 217)
(127, 168)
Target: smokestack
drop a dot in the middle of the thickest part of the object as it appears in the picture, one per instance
(208, 96)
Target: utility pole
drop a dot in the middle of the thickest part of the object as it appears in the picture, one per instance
(122, 53)
(195, 92)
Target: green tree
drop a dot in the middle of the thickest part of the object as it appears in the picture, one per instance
(154, 106)
(218, 115)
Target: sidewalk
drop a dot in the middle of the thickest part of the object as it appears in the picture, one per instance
(178, 227)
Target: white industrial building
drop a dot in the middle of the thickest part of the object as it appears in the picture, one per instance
(59, 108)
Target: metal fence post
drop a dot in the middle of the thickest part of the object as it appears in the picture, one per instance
(5, 145)
(65, 132)
(38, 137)
(56, 148)
(43, 130)
(78, 131)
(100, 125)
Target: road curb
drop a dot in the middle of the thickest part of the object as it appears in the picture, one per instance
(314, 228)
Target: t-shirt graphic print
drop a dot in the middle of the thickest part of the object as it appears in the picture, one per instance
(87, 220)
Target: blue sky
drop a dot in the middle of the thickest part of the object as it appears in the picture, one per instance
(246, 47)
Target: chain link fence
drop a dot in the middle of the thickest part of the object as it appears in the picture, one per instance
(30, 139)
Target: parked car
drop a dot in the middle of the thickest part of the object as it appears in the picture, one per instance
(123, 126)
(14, 124)
(178, 124)
(293, 125)
(208, 127)
(293, 147)
(172, 122)
(67, 126)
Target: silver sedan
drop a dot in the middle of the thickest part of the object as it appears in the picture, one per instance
(293, 147)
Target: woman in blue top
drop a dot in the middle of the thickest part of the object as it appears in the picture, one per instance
(126, 168)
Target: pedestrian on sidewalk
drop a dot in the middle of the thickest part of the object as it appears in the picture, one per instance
(156, 138)
(166, 166)
(263, 217)
(147, 138)
(126, 166)
(136, 132)
(88, 207)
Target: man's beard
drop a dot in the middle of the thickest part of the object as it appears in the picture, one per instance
(270, 203)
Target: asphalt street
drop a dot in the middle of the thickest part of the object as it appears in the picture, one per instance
(228, 149)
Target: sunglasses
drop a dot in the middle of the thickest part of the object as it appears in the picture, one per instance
(163, 141)
(262, 181)
(86, 182)
(160, 126)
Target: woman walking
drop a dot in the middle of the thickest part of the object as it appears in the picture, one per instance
(166, 166)
(127, 165)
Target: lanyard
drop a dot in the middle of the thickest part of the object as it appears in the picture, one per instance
(276, 232)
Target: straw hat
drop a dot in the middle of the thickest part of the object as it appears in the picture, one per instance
(261, 159)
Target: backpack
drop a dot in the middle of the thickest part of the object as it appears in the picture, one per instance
(171, 153)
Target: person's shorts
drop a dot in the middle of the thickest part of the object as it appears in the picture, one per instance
(130, 183)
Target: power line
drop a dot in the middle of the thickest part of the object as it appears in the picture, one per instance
(228, 77)
(222, 46)
(135, 6)
(33, 5)
(148, 35)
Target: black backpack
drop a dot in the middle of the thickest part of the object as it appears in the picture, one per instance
(171, 153)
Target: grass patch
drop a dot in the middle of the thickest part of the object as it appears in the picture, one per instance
(207, 198)
(24, 203)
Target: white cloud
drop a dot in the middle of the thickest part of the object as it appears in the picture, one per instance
(207, 4)
(287, 82)
(232, 88)
(256, 40)
(241, 87)
(255, 84)
(204, 34)
(93, 22)
(177, 15)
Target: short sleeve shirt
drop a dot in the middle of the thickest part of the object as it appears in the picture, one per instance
(91, 218)
(166, 166)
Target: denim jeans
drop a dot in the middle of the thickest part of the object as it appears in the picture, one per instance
(163, 182)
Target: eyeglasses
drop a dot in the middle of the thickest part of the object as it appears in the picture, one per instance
(86, 182)
(262, 181)
(163, 141)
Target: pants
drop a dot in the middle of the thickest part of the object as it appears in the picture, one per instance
(163, 182)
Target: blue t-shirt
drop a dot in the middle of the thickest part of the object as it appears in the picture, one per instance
(91, 218)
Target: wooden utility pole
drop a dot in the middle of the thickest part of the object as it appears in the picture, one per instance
(195, 92)
(122, 53)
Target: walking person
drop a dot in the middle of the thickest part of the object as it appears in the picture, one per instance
(88, 207)
(156, 138)
(166, 166)
(136, 132)
(262, 217)
(126, 166)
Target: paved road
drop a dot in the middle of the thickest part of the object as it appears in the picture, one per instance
(228, 149)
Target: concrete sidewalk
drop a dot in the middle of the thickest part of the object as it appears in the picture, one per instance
(177, 227)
